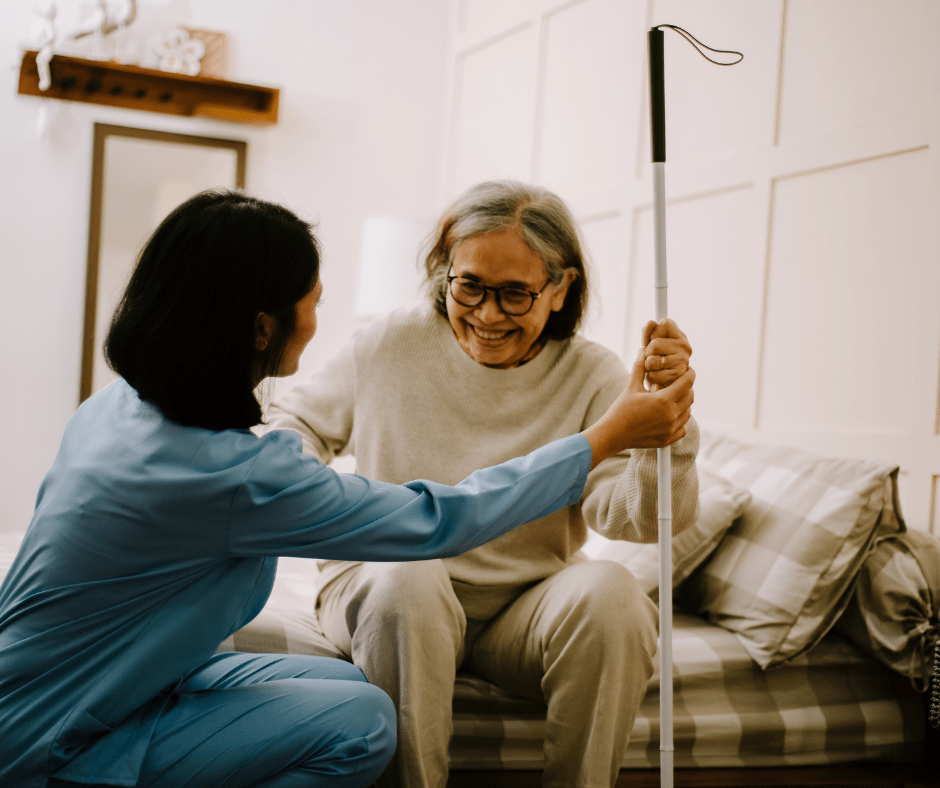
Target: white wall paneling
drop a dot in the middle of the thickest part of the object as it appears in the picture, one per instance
(802, 186)
(585, 128)
(481, 19)
(836, 297)
(932, 519)
(714, 295)
(494, 108)
(850, 63)
(605, 238)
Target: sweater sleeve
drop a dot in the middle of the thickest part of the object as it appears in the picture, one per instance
(320, 409)
(620, 498)
(292, 505)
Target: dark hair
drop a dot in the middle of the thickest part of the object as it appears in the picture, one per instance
(184, 332)
(544, 223)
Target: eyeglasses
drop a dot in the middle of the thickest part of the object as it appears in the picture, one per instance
(512, 300)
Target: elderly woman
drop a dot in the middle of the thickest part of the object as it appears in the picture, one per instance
(492, 368)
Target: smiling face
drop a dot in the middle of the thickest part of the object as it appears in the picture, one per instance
(488, 335)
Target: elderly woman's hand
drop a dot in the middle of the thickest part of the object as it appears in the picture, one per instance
(667, 352)
(643, 419)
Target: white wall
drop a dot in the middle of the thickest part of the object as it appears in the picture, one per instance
(362, 89)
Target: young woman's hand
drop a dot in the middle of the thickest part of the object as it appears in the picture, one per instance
(643, 419)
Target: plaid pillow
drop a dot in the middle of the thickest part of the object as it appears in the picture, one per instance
(894, 614)
(785, 570)
(719, 503)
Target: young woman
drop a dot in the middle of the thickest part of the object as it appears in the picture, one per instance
(157, 528)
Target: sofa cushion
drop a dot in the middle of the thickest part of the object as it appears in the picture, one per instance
(720, 503)
(786, 568)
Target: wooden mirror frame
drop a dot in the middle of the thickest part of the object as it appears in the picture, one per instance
(102, 132)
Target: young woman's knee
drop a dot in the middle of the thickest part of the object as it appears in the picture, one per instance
(378, 723)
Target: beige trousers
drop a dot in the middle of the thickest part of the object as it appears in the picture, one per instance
(582, 641)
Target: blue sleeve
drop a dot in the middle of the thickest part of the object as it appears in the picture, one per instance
(292, 505)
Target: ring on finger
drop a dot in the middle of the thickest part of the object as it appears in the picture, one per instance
(662, 362)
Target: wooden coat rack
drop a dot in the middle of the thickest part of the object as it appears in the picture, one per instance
(131, 87)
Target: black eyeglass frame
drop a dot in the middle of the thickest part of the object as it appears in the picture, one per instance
(497, 294)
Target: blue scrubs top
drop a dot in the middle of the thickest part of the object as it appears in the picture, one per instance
(152, 542)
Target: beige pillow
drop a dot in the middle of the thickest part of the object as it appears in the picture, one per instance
(785, 570)
(720, 502)
(894, 614)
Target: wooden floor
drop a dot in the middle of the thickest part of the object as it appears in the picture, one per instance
(865, 776)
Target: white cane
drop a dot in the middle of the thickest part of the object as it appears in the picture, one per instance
(664, 456)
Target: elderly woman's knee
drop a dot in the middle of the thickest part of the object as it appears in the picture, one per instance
(409, 580)
(413, 590)
(611, 596)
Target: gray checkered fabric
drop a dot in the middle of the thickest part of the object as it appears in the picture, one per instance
(786, 568)
(832, 705)
(894, 614)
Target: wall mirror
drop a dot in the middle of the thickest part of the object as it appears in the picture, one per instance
(138, 176)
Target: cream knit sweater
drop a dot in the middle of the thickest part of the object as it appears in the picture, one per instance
(407, 401)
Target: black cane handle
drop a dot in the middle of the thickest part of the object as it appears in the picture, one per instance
(654, 41)
(657, 95)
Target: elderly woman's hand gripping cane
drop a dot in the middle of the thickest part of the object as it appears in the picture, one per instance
(667, 351)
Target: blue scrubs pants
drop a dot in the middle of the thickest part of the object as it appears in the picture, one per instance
(270, 721)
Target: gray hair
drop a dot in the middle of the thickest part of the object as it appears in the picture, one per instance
(544, 223)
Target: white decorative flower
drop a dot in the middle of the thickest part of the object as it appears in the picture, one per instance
(179, 53)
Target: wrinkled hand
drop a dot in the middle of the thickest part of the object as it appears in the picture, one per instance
(667, 352)
(641, 419)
